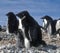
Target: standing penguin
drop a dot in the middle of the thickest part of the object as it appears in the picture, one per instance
(12, 23)
(49, 25)
(58, 28)
(31, 30)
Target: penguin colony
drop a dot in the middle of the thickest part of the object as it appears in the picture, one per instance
(30, 33)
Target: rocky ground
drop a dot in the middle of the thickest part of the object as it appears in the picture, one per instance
(8, 45)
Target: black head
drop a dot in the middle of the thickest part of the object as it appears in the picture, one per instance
(10, 14)
(23, 14)
(55, 21)
(47, 17)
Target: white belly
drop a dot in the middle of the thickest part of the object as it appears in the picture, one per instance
(49, 30)
(45, 22)
(20, 24)
(7, 31)
(27, 43)
(58, 25)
